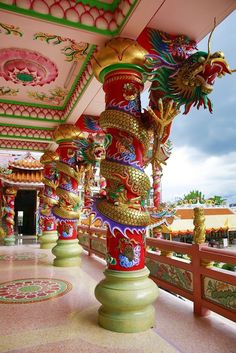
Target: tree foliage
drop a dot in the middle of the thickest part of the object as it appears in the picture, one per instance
(196, 197)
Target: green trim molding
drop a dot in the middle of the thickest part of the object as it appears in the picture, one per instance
(100, 4)
(91, 28)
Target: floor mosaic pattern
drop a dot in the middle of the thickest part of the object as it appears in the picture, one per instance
(22, 256)
(69, 323)
(32, 290)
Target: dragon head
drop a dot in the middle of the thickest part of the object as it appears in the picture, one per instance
(89, 151)
(184, 76)
(195, 77)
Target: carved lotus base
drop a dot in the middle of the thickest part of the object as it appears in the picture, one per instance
(68, 253)
(9, 241)
(48, 239)
(126, 299)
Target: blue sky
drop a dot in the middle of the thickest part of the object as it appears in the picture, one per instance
(204, 145)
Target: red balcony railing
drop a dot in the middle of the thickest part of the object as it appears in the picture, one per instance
(193, 277)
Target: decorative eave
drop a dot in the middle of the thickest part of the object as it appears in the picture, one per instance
(22, 185)
(28, 163)
(23, 177)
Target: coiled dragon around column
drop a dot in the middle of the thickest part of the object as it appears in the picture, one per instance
(128, 142)
(9, 202)
(76, 154)
(48, 198)
(179, 78)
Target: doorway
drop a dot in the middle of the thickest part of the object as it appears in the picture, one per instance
(25, 209)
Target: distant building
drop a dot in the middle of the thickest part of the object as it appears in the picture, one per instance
(220, 224)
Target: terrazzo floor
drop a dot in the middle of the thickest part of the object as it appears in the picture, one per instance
(46, 309)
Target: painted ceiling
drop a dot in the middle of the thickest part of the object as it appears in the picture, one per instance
(46, 51)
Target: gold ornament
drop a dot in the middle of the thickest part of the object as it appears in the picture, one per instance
(67, 132)
(62, 167)
(119, 51)
(122, 214)
(135, 180)
(124, 77)
(65, 213)
(49, 157)
(125, 122)
(199, 223)
(68, 197)
(10, 191)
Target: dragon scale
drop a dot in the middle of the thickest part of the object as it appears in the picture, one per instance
(122, 208)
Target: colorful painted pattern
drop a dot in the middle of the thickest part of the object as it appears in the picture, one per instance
(23, 145)
(97, 245)
(41, 113)
(101, 16)
(20, 132)
(73, 51)
(171, 274)
(26, 67)
(7, 91)
(10, 30)
(84, 239)
(55, 96)
(32, 290)
(220, 293)
(25, 111)
(22, 256)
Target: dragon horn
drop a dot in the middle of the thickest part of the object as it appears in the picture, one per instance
(209, 40)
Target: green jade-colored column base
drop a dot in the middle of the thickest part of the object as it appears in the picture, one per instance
(9, 241)
(48, 239)
(68, 253)
(126, 299)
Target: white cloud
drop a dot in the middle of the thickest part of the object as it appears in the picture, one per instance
(188, 169)
(204, 145)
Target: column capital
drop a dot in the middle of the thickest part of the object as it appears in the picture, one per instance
(49, 157)
(119, 53)
(67, 132)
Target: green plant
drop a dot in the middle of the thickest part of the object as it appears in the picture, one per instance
(229, 267)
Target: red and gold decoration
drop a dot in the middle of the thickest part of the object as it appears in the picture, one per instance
(88, 183)
(164, 154)
(9, 201)
(89, 152)
(67, 212)
(120, 66)
(127, 184)
(49, 198)
(180, 75)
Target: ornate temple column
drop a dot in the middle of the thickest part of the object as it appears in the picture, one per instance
(88, 183)
(49, 198)
(199, 238)
(39, 221)
(126, 293)
(67, 250)
(156, 175)
(9, 197)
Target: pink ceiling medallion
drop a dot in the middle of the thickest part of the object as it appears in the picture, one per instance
(26, 67)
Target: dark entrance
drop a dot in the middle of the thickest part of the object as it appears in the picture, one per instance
(25, 208)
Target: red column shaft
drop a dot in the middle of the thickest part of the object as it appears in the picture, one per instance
(123, 169)
(67, 191)
(10, 213)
